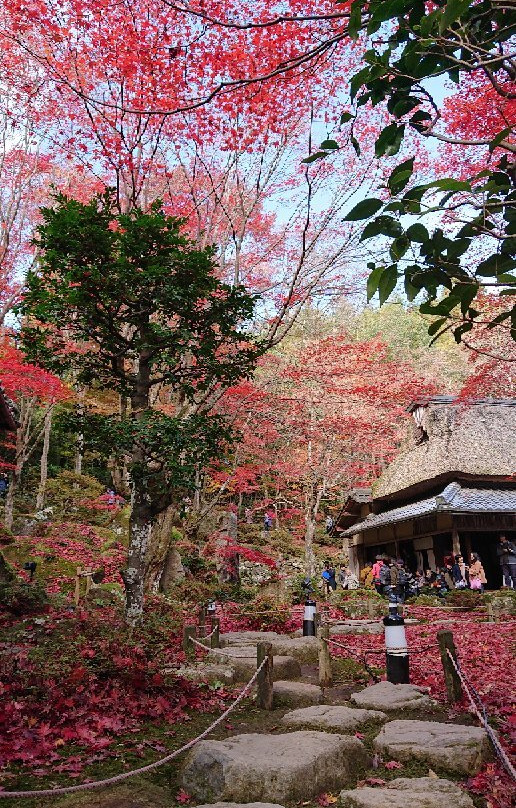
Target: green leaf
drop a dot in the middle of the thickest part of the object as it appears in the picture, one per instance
(417, 232)
(387, 283)
(355, 20)
(389, 141)
(363, 210)
(385, 225)
(498, 139)
(345, 117)
(329, 145)
(372, 282)
(400, 176)
(452, 11)
(355, 144)
(496, 264)
(316, 156)
(436, 325)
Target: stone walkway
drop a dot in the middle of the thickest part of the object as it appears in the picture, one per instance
(318, 750)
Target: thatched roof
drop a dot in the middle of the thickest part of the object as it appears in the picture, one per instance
(476, 439)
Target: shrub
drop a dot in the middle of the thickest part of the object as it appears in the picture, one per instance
(266, 614)
(466, 598)
(21, 598)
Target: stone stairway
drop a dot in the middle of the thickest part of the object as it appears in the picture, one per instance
(318, 750)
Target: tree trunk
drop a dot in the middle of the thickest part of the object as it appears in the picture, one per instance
(309, 545)
(161, 544)
(9, 499)
(40, 500)
(21, 453)
(228, 565)
(142, 517)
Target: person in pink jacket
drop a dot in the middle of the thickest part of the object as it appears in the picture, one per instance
(377, 566)
(477, 576)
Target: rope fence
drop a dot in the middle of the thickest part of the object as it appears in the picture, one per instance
(481, 713)
(118, 778)
(449, 658)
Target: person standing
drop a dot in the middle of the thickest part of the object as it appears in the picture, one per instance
(460, 573)
(332, 583)
(477, 576)
(376, 570)
(506, 552)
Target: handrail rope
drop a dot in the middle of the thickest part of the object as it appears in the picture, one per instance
(50, 792)
(197, 642)
(482, 717)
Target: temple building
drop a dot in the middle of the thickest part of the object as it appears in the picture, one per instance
(452, 489)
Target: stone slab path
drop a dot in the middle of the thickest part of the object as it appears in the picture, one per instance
(315, 754)
(454, 747)
(331, 717)
(388, 697)
(408, 792)
(243, 660)
(294, 766)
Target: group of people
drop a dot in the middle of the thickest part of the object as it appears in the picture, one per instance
(346, 579)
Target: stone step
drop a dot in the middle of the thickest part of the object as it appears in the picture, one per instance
(290, 767)
(453, 747)
(304, 649)
(240, 805)
(209, 672)
(417, 792)
(296, 694)
(329, 717)
(243, 660)
(388, 697)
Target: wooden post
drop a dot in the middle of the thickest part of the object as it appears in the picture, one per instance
(371, 608)
(189, 632)
(452, 681)
(202, 621)
(490, 613)
(325, 672)
(77, 593)
(215, 637)
(317, 620)
(264, 696)
(88, 585)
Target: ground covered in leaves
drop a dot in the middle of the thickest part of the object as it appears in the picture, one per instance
(82, 698)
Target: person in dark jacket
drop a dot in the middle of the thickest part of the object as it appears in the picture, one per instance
(506, 552)
(460, 573)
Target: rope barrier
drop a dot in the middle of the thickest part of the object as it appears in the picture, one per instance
(197, 642)
(482, 717)
(51, 792)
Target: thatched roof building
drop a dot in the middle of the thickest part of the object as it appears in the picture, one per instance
(451, 489)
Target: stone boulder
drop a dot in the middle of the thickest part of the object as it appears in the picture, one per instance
(243, 660)
(291, 767)
(386, 696)
(208, 672)
(358, 627)
(240, 805)
(417, 792)
(296, 694)
(247, 637)
(330, 717)
(304, 649)
(453, 747)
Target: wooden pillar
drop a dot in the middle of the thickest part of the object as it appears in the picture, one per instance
(467, 545)
(264, 696)
(325, 672)
(215, 628)
(451, 679)
(456, 542)
(188, 646)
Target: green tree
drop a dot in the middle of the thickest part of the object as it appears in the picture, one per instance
(127, 302)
